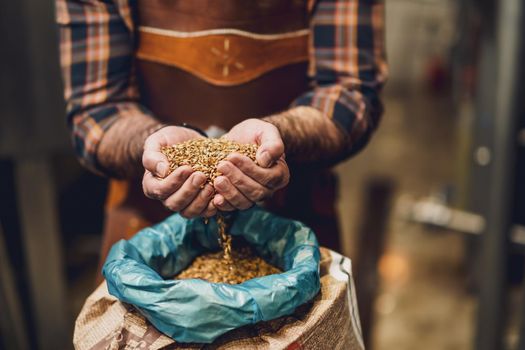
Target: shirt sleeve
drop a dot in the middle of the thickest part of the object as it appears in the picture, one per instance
(348, 65)
(96, 53)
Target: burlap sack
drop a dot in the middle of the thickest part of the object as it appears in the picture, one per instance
(330, 321)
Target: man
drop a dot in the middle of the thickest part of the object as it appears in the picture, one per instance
(298, 78)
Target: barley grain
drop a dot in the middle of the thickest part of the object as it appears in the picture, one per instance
(227, 266)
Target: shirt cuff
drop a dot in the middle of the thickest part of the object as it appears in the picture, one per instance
(90, 127)
(348, 110)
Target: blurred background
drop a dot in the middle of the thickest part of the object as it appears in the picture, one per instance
(432, 211)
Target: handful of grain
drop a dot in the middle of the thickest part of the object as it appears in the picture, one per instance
(227, 266)
(205, 154)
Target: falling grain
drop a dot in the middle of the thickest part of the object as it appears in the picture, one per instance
(227, 266)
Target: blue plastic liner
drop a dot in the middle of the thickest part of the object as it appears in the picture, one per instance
(140, 272)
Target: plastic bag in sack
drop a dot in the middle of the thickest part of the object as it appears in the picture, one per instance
(140, 272)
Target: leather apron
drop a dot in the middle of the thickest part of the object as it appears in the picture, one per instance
(216, 63)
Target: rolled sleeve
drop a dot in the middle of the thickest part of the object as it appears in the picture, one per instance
(348, 66)
(96, 54)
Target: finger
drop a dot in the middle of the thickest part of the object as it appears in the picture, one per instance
(210, 211)
(271, 147)
(161, 189)
(156, 163)
(273, 178)
(222, 204)
(250, 188)
(156, 141)
(199, 203)
(188, 191)
(231, 194)
(152, 158)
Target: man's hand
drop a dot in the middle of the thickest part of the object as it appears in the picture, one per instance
(183, 190)
(243, 182)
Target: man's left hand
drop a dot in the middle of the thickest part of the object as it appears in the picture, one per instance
(243, 182)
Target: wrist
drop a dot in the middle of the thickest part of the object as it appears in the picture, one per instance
(288, 122)
(120, 151)
(308, 135)
(194, 128)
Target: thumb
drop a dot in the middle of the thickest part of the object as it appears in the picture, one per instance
(156, 163)
(270, 149)
(153, 159)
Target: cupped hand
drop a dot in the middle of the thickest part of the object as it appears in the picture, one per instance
(182, 190)
(243, 182)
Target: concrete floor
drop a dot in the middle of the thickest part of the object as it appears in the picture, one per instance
(423, 300)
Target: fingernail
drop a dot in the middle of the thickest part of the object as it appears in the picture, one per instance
(266, 159)
(220, 201)
(220, 183)
(161, 169)
(198, 179)
(223, 167)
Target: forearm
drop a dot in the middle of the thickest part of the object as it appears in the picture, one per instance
(343, 108)
(119, 153)
(310, 137)
(107, 122)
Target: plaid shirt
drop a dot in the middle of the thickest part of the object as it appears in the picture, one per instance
(347, 64)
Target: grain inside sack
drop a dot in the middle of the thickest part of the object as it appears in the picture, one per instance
(229, 266)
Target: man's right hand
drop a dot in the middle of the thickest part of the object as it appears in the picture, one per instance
(183, 190)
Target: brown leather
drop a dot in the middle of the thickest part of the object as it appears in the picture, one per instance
(261, 16)
(225, 59)
(117, 193)
(176, 96)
